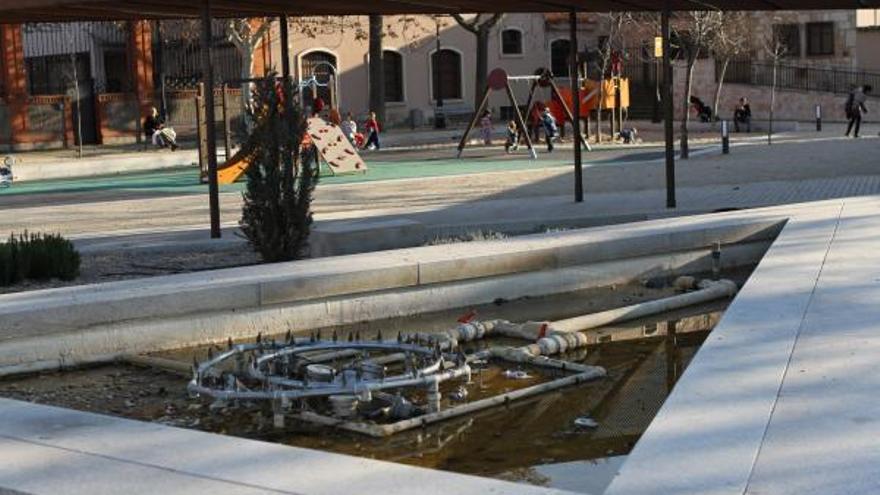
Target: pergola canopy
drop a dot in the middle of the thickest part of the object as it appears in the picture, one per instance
(77, 10)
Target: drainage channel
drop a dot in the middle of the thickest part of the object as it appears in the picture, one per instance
(536, 439)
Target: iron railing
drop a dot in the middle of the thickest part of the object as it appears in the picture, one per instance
(801, 78)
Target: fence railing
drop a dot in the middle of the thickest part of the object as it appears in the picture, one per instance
(793, 77)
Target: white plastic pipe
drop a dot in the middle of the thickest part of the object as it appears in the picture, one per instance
(710, 290)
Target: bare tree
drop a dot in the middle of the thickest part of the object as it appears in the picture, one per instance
(776, 49)
(247, 35)
(615, 26)
(480, 26)
(693, 32)
(377, 68)
(730, 40)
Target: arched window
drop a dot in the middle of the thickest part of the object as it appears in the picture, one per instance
(393, 64)
(446, 74)
(322, 65)
(511, 42)
(559, 57)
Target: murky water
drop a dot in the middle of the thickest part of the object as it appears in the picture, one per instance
(643, 358)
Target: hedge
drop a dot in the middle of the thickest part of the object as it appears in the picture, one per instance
(37, 257)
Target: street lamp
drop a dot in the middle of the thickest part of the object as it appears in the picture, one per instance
(439, 116)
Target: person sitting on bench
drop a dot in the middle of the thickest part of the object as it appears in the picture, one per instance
(743, 115)
(703, 111)
(158, 133)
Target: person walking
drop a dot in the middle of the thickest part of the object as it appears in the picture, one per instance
(855, 107)
(372, 128)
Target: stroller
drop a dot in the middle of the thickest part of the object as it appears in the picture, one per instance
(6, 172)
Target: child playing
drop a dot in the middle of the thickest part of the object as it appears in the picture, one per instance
(486, 127)
(372, 128)
(6, 172)
(349, 128)
(550, 129)
(512, 137)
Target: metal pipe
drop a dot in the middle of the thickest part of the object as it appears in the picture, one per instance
(710, 290)
(494, 401)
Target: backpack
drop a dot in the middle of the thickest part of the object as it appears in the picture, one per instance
(848, 107)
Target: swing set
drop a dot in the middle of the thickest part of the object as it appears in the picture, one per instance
(499, 80)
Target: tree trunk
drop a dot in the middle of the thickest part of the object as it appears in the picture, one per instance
(377, 69)
(685, 120)
(772, 103)
(247, 72)
(718, 89)
(482, 65)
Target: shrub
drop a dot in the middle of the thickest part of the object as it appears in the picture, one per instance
(37, 257)
(276, 215)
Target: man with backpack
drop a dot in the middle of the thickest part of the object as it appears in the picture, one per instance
(855, 107)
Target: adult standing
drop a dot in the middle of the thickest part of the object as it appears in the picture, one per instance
(855, 107)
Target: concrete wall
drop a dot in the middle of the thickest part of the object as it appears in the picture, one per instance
(844, 35)
(182, 111)
(118, 116)
(790, 105)
(868, 49)
(73, 323)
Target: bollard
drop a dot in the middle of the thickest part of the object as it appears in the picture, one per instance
(716, 261)
(818, 118)
(725, 137)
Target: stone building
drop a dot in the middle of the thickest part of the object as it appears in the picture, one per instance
(95, 81)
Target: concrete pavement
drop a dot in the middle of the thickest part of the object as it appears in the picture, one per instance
(780, 399)
(417, 210)
(782, 396)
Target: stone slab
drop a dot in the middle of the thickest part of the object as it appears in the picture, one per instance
(49, 450)
(782, 396)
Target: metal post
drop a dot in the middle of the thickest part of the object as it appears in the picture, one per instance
(668, 113)
(818, 118)
(439, 116)
(576, 109)
(285, 47)
(725, 138)
(210, 131)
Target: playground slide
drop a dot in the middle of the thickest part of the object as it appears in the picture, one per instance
(339, 154)
(233, 169)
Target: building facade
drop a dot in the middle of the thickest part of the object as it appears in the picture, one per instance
(93, 82)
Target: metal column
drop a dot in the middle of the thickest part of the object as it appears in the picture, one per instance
(668, 113)
(576, 108)
(210, 131)
(285, 47)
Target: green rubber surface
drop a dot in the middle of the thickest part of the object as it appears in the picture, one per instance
(185, 180)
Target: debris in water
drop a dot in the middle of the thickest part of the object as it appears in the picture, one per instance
(460, 394)
(516, 375)
(585, 422)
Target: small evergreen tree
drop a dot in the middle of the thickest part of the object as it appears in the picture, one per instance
(276, 216)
